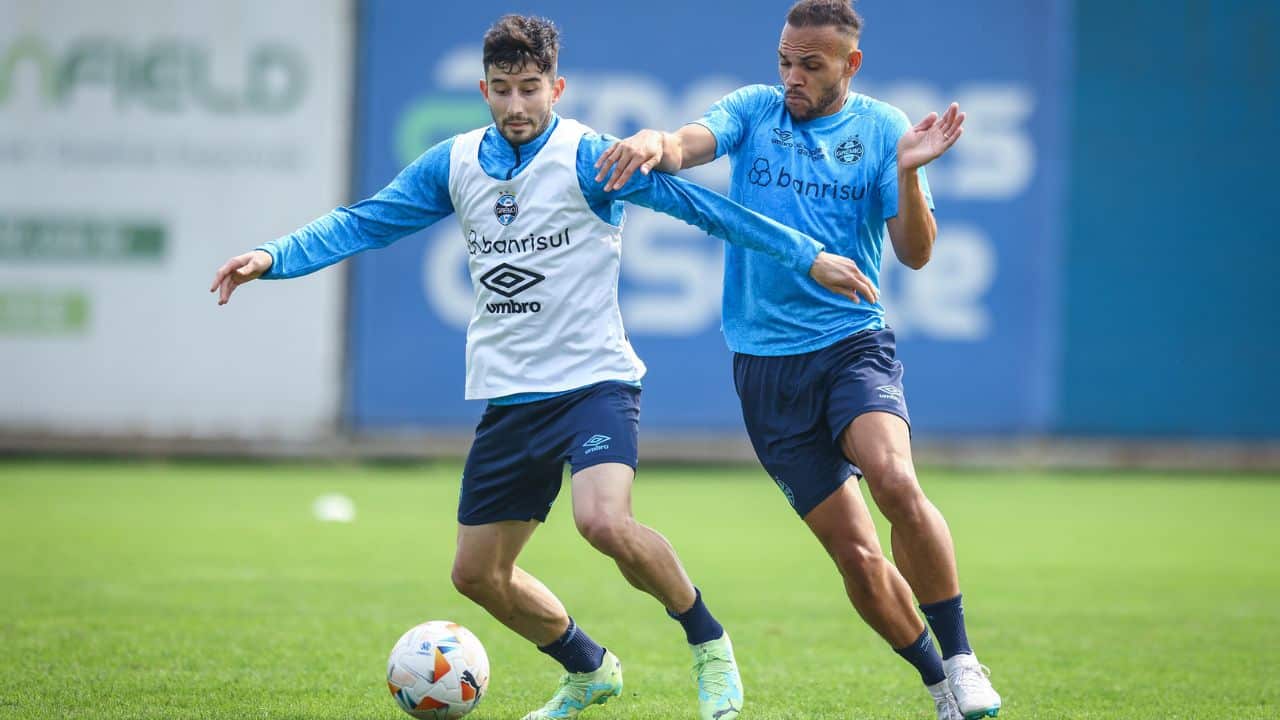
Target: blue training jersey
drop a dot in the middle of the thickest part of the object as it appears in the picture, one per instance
(834, 178)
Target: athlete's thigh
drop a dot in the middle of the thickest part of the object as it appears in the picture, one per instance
(878, 442)
(783, 406)
(492, 546)
(603, 490)
(842, 521)
(504, 477)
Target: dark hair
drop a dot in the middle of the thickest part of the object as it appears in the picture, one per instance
(821, 13)
(516, 41)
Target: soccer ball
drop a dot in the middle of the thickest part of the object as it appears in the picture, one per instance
(438, 671)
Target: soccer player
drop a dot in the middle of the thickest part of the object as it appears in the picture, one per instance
(819, 384)
(546, 348)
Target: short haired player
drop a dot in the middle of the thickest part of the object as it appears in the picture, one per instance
(817, 376)
(546, 348)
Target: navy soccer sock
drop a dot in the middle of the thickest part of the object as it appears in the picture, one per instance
(924, 657)
(575, 650)
(699, 626)
(947, 620)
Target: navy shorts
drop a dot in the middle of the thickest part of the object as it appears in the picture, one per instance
(516, 463)
(796, 407)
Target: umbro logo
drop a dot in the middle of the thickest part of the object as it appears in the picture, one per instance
(890, 392)
(596, 440)
(509, 280)
(787, 139)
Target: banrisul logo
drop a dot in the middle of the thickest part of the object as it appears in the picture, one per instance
(764, 174)
(506, 209)
(162, 75)
(478, 244)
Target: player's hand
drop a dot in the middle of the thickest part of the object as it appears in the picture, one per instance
(841, 276)
(929, 139)
(238, 271)
(642, 151)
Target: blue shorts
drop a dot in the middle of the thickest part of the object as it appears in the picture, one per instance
(796, 407)
(516, 463)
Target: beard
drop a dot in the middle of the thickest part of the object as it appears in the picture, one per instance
(533, 127)
(825, 100)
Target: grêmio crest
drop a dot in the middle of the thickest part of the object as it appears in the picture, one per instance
(506, 209)
(850, 151)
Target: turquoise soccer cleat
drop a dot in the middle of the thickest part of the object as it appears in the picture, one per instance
(579, 691)
(719, 685)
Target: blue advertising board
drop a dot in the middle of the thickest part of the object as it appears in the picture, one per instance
(977, 326)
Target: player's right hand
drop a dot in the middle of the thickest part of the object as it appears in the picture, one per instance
(238, 271)
(841, 276)
(642, 151)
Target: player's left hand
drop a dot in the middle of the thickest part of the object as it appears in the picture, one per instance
(238, 271)
(642, 151)
(842, 276)
(930, 138)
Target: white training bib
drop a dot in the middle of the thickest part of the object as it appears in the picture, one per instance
(545, 272)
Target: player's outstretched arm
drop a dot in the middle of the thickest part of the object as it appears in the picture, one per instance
(415, 199)
(914, 229)
(718, 132)
(725, 219)
(649, 150)
(238, 271)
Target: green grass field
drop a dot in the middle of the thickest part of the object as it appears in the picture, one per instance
(209, 591)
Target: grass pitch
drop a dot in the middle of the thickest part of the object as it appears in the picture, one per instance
(210, 591)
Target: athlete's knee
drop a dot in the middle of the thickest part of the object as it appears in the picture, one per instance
(608, 532)
(859, 561)
(897, 492)
(478, 582)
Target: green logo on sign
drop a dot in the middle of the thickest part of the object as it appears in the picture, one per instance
(38, 239)
(167, 76)
(37, 311)
(432, 119)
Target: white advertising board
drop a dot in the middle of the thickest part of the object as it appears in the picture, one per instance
(141, 144)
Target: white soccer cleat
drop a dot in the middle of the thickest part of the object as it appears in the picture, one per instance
(970, 683)
(944, 702)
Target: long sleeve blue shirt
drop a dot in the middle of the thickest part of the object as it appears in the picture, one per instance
(419, 197)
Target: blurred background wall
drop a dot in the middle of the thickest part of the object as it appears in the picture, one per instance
(1170, 324)
(1100, 271)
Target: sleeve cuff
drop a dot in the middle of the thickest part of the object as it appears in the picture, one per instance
(808, 253)
(274, 272)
